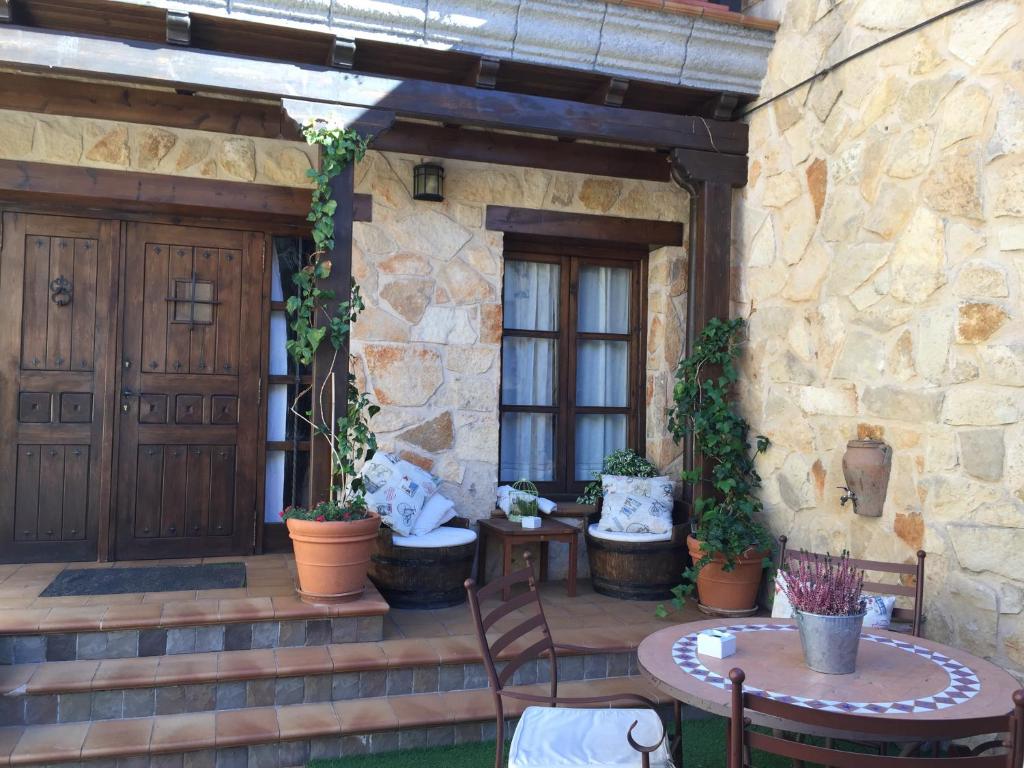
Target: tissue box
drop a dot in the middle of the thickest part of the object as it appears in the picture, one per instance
(716, 643)
(531, 521)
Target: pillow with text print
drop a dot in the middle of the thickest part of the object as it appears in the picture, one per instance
(660, 488)
(397, 490)
(631, 513)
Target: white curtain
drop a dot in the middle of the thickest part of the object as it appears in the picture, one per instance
(529, 370)
(602, 366)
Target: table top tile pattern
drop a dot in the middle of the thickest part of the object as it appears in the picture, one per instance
(963, 681)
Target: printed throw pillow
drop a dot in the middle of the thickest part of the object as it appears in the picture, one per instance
(397, 490)
(659, 488)
(436, 512)
(879, 610)
(781, 607)
(629, 513)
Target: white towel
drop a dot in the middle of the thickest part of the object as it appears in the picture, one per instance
(506, 495)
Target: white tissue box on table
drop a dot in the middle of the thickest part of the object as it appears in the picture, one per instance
(716, 643)
(531, 521)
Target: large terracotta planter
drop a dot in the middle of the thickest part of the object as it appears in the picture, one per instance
(332, 558)
(728, 592)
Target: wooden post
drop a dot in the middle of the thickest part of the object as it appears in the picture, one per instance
(340, 281)
(709, 178)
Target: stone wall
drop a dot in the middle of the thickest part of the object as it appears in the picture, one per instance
(152, 149)
(879, 256)
(428, 346)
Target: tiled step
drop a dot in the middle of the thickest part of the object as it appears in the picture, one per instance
(77, 691)
(115, 631)
(275, 737)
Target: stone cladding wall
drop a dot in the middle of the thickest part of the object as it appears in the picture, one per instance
(428, 346)
(879, 257)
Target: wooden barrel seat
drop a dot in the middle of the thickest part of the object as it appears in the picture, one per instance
(636, 566)
(424, 572)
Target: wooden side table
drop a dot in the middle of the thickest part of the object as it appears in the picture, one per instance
(510, 534)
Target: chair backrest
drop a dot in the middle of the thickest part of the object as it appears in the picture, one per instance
(914, 615)
(743, 738)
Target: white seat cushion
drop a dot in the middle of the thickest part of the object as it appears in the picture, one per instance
(597, 532)
(548, 737)
(444, 536)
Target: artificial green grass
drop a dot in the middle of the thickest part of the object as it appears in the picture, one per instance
(703, 747)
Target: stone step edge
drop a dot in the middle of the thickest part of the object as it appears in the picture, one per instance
(299, 661)
(181, 613)
(175, 734)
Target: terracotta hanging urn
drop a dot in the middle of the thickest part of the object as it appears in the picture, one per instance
(866, 467)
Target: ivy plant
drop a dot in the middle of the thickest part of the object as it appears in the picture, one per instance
(349, 437)
(725, 520)
(626, 462)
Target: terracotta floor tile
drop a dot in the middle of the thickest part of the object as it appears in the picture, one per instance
(126, 673)
(8, 739)
(220, 594)
(189, 668)
(190, 612)
(20, 621)
(109, 738)
(247, 726)
(456, 650)
(303, 721)
(120, 615)
(353, 657)
(13, 677)
(242, 665)
(81, 619)
(469, 705)
(421, 710)
(304, 660)
(128, 598)
(59, 602)
(14, 603)
(50, 744)
(366, 715)
(290, 607)
(168, 597)
(274, 590)
(410, 652)
(63, 676)
(175, 733)
(246, 609)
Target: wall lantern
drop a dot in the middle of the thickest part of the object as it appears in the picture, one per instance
(428, 182)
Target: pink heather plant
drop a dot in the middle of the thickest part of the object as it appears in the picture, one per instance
(824, 586)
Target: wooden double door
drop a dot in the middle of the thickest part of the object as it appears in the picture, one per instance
(129, 388)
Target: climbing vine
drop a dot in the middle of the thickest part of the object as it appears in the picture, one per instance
(725, 520)
(349, 437)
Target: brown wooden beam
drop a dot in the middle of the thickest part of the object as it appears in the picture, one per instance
(329, 362)
(33, 50)
(368, 122)
(53, 96)
(523, 151)
(728, 169)
(97, 187)
(581, 226)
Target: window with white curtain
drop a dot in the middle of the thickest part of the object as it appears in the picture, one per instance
(572, 351)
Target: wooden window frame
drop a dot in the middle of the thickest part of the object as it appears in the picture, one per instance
(571, 255)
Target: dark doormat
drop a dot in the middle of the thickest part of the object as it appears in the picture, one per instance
(145, 578)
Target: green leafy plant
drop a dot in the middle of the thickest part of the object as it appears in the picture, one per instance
(625, 462)
(725, 521)
(349, 437)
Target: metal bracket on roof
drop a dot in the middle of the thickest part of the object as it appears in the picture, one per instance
(486, 74)
(179, 27)
(6, 11)
(343, 53)
(613, 92)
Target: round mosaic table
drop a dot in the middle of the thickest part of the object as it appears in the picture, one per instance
(898, 676)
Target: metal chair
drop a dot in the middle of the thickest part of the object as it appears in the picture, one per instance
(913, 617)
(549, 728)
(742, 738)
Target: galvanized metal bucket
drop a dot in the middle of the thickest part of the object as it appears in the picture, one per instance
(830, 643)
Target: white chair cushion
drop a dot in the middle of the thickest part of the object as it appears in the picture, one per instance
(436, 512)
(439, 537)
(553, 737)
(597, 532)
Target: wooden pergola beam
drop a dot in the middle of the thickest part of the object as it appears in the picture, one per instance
(175, 67)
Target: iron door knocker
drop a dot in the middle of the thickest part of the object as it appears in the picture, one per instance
(60, 291)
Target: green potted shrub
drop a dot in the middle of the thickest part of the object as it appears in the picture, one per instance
(728, 545)
(333, 538)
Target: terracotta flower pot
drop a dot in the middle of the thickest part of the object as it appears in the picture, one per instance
(332, 558)
(732, 591)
